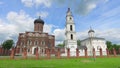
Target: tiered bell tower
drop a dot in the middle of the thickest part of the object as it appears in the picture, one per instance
(70, 41)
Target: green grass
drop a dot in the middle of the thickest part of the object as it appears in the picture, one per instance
(62, 63)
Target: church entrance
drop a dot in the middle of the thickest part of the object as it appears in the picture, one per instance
(41, 51)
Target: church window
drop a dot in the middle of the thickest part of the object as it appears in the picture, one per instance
(71, 27)
(28, 50)
(70, 18)
(71, 37)
(43, 42)
(36, 43)
(29, 42)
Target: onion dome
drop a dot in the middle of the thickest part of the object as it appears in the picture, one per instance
(39, 20)
(91, 31)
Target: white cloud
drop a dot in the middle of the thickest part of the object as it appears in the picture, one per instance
(86, 6)
(59, 35)
(106, 0)
(110, 34)
(30, 3)
(82, 7)
(21, 20)
(42, 14)
(111, 13)
(82, 35)
(49, 28)
(46, 3)
(16, 23)
(27, 3)
(6, 31)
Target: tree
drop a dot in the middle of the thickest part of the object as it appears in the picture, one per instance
(60, 45)
(63, 43)
(109, 45)
(7, 44)
(78, 42)
(116, 47)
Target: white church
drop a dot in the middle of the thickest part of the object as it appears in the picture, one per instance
(89, 43)
(94, 42)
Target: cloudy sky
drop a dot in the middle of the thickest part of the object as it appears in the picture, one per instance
(102, 15)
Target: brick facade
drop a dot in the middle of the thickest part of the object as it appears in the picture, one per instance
(35, 39)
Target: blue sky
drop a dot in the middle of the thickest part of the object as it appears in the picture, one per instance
(102, 15)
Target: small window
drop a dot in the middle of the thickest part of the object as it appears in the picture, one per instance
(28, 50)
(70, 18)
(35, 42)
(71, 27)
(29, 42)
(71, 37)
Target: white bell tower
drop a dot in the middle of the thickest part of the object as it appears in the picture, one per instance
(70, 40)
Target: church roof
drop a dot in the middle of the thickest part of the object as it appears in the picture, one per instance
(39, 20)
(91, 31)
(94, 38)
(68, 10)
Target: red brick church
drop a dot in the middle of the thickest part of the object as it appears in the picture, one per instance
(37, 38)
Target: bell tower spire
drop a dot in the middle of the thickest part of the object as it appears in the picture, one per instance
(69, 13)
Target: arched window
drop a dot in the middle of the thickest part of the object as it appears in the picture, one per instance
(71, 28)
(71, 37)
(36, 43)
